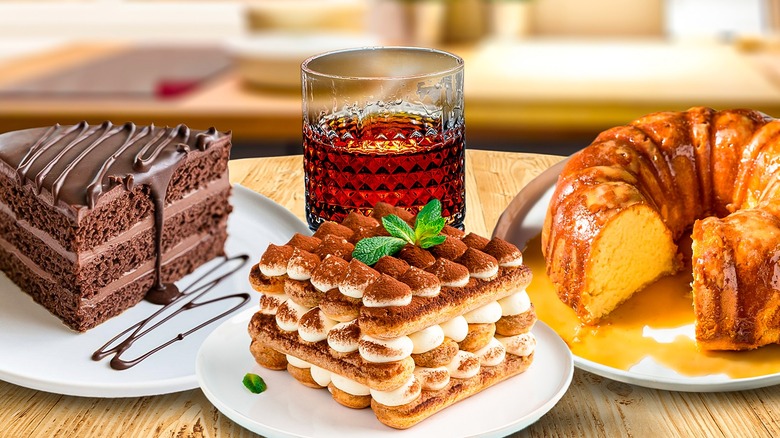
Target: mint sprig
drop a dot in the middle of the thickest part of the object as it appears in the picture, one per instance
(425, 234)
(254, 383)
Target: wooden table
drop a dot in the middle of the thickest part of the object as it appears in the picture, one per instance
(593, 406)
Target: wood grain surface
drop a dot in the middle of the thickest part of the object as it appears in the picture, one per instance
(593, 406)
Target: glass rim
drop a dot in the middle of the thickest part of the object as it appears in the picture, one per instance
(376, 49)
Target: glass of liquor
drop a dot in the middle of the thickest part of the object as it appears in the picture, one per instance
(383, 124)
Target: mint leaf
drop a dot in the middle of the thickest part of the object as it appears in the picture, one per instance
(430, 241)
(371, 249)
(428, 214)
(397, 227)
(428, 224)
(254, 383)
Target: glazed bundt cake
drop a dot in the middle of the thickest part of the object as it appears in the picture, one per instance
(622, 205)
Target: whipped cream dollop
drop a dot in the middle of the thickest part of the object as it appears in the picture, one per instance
(487, 314)
(357, 279)
(515, 304)
(427, 339)
(296, 362)
(273, 262)
(386, 291)
(314, 325)
(320, 375)
(507, 255)
(422, 283)
(329, 273)
(520, 345)
(432, 379)
(269, 303)
(302, 264)
(288, 314)
(456, 329)
(385, 350)
(348, 385)
(491, 354)
(406, 393)
(450, 274)
(464, 365)
(479, 264)
(344, 337)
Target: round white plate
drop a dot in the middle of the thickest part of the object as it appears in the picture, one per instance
(289, 409)
(39, 352)
(523, 220)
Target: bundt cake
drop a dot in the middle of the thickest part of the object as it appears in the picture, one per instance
(622, 205)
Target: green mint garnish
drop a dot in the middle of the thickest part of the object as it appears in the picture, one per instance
(425, 234)
(371, 249)
(254, 383)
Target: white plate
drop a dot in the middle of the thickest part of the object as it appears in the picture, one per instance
(289, 409)
(523, 220)
(39, 352)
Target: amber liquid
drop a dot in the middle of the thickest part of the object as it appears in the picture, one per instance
(403, 159)
(621, 341)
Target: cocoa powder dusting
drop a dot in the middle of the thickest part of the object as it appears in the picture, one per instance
(391, 266)
(276, 256)
(450, 249)
(502, 250)
(386, 288)
(416, 256)
(477, 261)
(306, 243)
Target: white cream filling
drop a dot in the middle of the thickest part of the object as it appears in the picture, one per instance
(491, 354)
(464, 365)
(487, 314)
(456, 329)
(492, 272)
(515, 262)
(520, 345)
(318, 332)
(320, 375)
(407, 393)
(460, 282)
(400, 301)
(515, 304)
(269, 303)
(349, 386)
(298, 363)
(427, 339)
(341, 343)
(385, 350)
(432, 379)
(292, 310)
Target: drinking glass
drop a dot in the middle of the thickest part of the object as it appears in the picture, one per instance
(383, 124)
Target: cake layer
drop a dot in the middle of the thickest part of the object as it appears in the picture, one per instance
(83, 314)
(422, 312)
(120, 205)
(431, 402)
(382, 376)
(86, 272)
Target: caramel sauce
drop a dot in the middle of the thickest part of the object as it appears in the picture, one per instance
(619, 341)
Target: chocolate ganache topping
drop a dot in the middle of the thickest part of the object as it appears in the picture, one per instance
(77, 164)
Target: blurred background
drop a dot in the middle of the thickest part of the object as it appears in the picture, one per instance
(541, 75)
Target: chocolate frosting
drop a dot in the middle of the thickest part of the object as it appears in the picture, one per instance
(76, 164)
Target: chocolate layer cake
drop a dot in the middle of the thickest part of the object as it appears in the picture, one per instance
(95, 218)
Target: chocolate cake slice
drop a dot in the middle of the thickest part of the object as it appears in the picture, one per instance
(95, 218)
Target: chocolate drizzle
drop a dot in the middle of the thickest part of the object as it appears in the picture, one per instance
(188, 299)
(77, 164)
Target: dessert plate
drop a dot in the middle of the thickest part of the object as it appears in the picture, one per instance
(289, 409)
(523, 219)
(39, 352)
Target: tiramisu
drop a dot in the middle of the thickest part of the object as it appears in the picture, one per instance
(407, 334)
